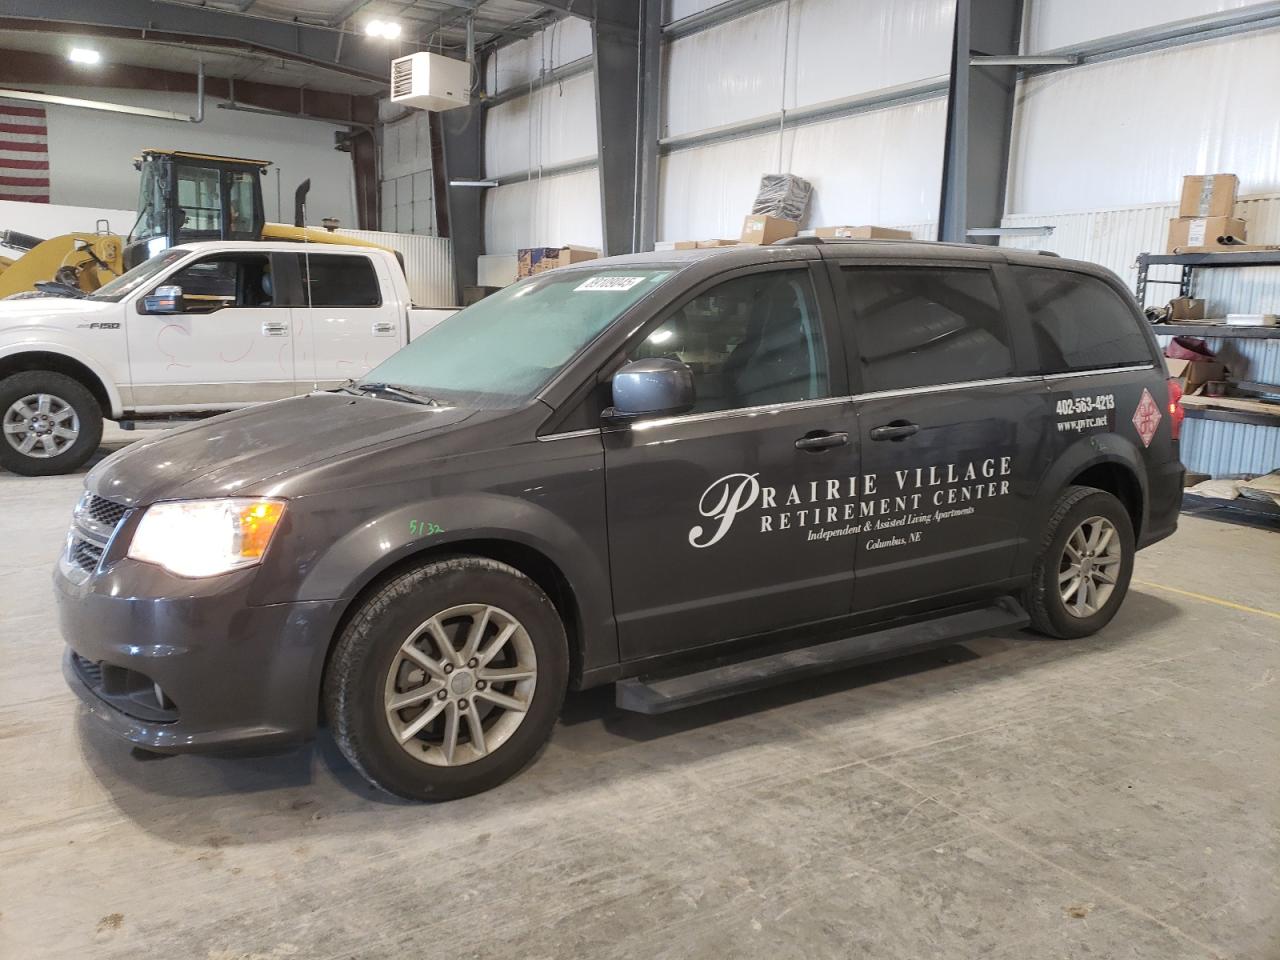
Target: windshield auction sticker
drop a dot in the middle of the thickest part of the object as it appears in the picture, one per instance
(608, 284)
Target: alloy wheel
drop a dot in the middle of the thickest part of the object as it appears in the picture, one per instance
(1090, 567)
(460, 685)
(41, 425)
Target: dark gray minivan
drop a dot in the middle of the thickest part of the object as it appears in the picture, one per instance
(687, 473)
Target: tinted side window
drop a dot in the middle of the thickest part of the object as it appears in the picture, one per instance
(1079, 322)
(225, 280)
(337, 280)
(750, 341)
(922, 326)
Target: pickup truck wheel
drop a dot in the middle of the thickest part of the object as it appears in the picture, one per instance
(1086, 559)
(448, 680)
(51, 423)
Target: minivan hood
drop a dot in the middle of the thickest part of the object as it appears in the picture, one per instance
(231, 453)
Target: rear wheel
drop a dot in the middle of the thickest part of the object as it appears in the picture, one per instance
(448, 680)
(51, 423)
(1086, 560)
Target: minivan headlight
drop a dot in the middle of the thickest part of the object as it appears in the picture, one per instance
(202, 538)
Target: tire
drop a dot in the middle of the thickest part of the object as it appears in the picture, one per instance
(1085, 610)
(369, 670)
(61, 403)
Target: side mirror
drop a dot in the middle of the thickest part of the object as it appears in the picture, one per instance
(166, 299)
(651, 388)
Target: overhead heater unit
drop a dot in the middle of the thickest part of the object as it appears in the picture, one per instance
(430, 82)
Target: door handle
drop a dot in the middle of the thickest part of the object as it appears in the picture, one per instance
(898, 430)
(275, 328)
(821, 441)
(384, 328)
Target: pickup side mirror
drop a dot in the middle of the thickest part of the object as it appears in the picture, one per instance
(651, 388)
(166, 299)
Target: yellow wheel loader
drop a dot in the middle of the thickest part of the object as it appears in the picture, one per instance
(184, 197)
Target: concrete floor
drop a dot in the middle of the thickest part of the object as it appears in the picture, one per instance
(1113, 797)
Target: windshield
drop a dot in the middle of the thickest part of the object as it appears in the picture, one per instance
(139, 276)
(502, 350)
(152, 202)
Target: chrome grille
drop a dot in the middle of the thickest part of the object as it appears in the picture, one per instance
(85, 555)
(102, 510)
(93, 523)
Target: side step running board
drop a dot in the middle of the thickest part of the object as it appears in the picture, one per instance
(663, 694)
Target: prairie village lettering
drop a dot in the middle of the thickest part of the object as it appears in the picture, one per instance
(846, 505)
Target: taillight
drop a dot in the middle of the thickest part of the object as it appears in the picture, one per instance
(1175, 408)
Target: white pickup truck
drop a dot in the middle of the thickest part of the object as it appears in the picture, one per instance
(197, 329)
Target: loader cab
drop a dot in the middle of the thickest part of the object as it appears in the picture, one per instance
(186, 197)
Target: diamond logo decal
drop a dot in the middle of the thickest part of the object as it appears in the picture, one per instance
(1147, 417)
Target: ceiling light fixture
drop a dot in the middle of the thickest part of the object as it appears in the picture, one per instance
(81, 55)
(386, 29)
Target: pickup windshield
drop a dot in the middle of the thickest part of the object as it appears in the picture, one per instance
(499, 352)
(131, 280)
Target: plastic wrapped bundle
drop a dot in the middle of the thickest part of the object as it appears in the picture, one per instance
(783, 195)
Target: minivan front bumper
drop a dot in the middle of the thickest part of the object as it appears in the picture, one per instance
(230, 675)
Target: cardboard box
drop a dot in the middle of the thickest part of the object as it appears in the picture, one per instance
(1186, 308)
(703, 244)
(760, 229)
(535, 260)
(862, 233)
(1202, 234)
(1209, 196)
(1193, 374)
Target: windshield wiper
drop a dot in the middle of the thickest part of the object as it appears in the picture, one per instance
(403, 393)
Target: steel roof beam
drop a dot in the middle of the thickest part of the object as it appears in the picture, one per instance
(317, 45)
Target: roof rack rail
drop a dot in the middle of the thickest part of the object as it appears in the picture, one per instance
(797, 242)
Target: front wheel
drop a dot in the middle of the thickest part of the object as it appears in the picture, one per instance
(51, 423)
(1086, 560)
(447, 680)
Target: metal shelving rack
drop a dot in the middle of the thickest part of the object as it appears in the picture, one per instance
(1191, 262)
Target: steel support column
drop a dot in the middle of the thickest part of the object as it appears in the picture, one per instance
(624, 91)
(649, 130)
(979, 117)
(462, 138)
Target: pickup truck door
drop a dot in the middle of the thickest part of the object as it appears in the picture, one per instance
(348, 320)
(230, 345)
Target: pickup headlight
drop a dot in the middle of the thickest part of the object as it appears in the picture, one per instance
(202, 538)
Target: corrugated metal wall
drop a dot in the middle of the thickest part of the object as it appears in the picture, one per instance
(1223, 449)
(880, 167)
(1124, 132)
(1114, 238)
(1053, 24)
(551, 125)
(428, 264)
(836, 48)
(546, 212)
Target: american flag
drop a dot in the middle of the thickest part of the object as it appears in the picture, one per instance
(24, 152)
